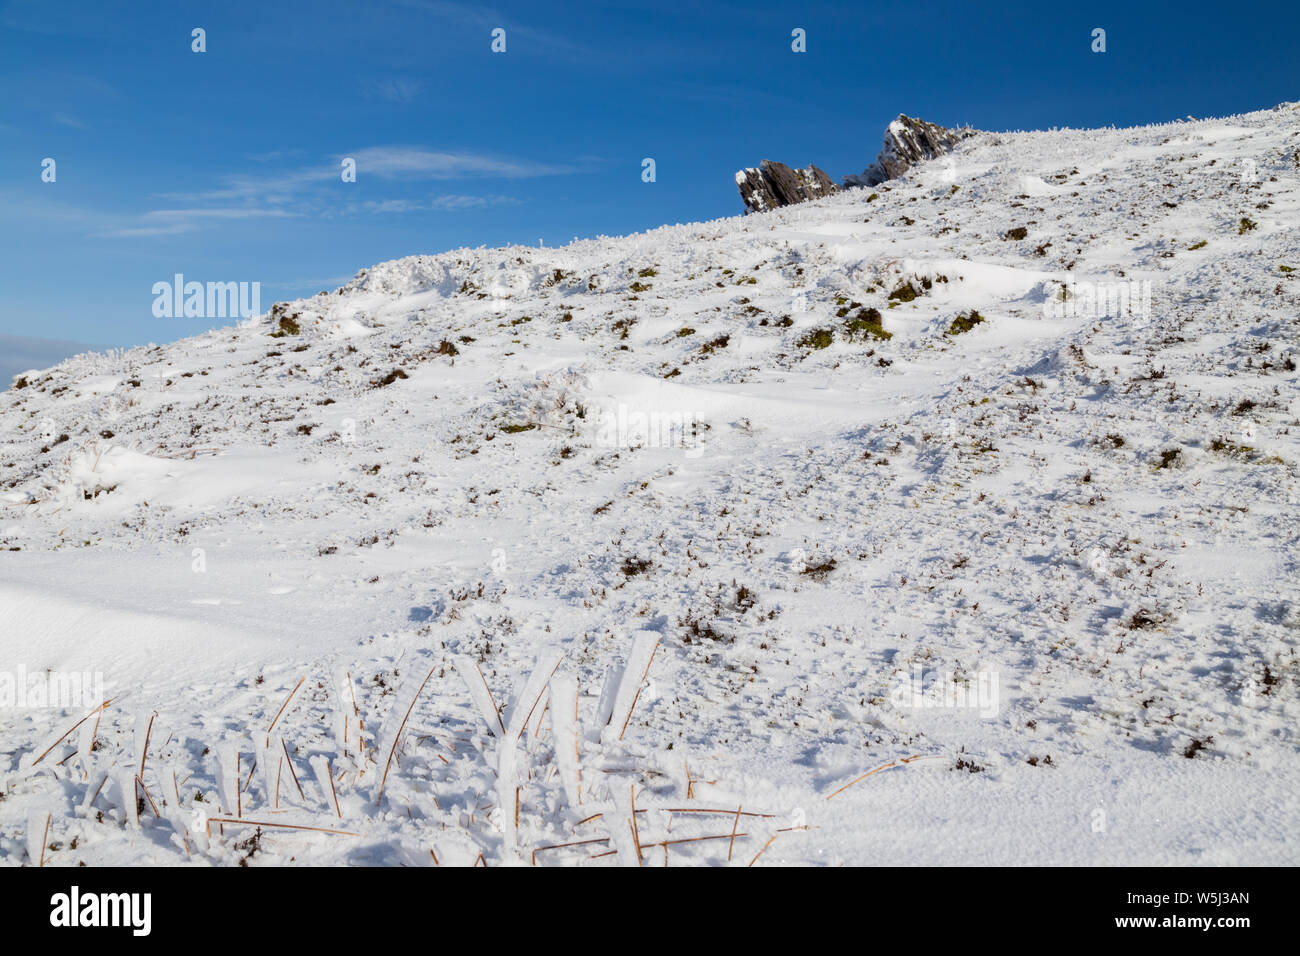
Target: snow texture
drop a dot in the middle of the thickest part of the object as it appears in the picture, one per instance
(880, 476)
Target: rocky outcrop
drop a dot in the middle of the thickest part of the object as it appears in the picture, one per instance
(773, 185)
(908, 141)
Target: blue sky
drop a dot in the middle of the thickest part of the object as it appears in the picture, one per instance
(224, 165)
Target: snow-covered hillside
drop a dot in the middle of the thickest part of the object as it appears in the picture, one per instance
(734, 512)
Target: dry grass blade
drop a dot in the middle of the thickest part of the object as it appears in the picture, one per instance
(45, 838)
(283, 707)
(640, 684)
(636, 831)
(700, 839)
(134, 808)
(481, 694)
(764, 850)
(886, 766)
(292, 771)
(244, 821)
(324, 773)
(335, 794)
(356, 711)
(538, 684)
(734, 826)
(139, 782)
(397, 736)
(64, 735)
(144, 751)
(560, 846)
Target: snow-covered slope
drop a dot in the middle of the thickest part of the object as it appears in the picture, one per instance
(1050, 552)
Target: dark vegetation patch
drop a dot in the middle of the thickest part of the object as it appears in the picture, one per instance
(964, 323)
(905, 292)
(816, 339)
(632, 566)
(1144, 619)
(867, 324)
(818, 572)
(285, 324)
(698, 629)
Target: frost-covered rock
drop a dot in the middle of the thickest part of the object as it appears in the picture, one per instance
(908, 141)
(773, 185)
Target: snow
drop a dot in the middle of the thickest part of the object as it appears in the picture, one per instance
(659, 506)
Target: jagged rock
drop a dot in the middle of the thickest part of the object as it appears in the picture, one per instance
(773, 185)
(908, 141)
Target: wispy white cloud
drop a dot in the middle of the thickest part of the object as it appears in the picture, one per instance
(272, 188)
(446, 203)
(170, 222)
(303, 192)
(397, 89)
(64, 120)
(218, 214)
(296, 187)
(271, 155)
(400, 162)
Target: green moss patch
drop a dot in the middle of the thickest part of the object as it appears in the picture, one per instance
(904, 293)
(816, 339)
(867, 324)
(964, 323)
